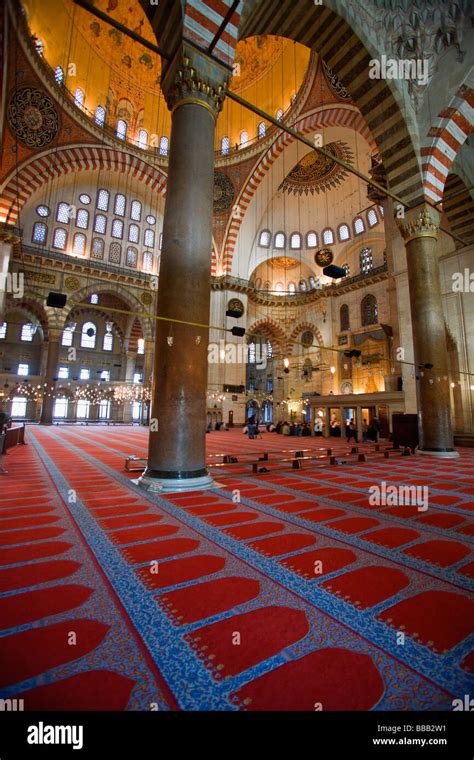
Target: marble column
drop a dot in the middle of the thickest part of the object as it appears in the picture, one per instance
(51, 373)
(130, 366)
(5, 256)
(194, 87)
(419, 230)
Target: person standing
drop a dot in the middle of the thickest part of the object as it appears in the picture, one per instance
(251, 428)
(4, 420)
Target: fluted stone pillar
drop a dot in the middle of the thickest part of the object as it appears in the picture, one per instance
(51, 373)
(194, 87)
(419, 230)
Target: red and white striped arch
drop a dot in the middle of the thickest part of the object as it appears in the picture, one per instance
(270, 329)
(202, 20)
(341, 116)
(452, 127)
(20, 185)
(301, 328)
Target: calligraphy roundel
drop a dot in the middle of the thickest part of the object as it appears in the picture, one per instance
(223, 192)
(32, 117)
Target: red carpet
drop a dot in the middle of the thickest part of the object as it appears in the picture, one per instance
(219, 565)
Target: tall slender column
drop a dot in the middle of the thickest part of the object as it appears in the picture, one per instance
(51, 371)
(194, 87)
(420, 232)
(130, 365)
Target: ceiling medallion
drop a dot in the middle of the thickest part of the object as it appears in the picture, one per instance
(316, 172)
(324, 257)
(32, 117)
(235, 304)
(223, 192)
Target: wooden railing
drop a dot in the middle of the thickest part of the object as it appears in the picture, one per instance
(13, 436)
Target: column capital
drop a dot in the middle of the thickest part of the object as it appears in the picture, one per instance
(193, 77)
(419, 222)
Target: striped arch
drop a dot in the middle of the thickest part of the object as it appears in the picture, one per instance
(129, 299)
(32, 306)
(21, 184)
(197, 21)
(341, 116)
(453, 125)
(269, 328)
(298, 330)
(344, 40)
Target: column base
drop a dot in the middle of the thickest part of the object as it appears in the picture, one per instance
(447, 454)
(174, 485)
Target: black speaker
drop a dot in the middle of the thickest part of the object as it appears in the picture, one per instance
(238, 331)
(56, 300)
(233, 313)
(334, 272)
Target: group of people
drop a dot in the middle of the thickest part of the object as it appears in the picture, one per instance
(4, 420)
(370, 432)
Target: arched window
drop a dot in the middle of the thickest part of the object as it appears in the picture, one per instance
(244, 138)
(343, 232)
(42, 211)
(119, 206)
(39, 45)
(3, 330)
(67, 337)
(79, 244)
(134, 233)
(59, 238)
(252, 352)
(100, 116)
(303, 286)
(347, 269)
(132, 257)
(372, 218)
(262, 130)
(344, 317)
(279, 114)
(225, 145)
(359, 225)
(85, 199)
(79, 96)
(108, 342)
(88, 335)
(265, 238)
(291, 287)
(366, 261)
(280, 240)
(312, 282)
(328, 236)
(311, 240)
(117, 229)
(62, 214)
(149, 238)
(103, 200)
(115, 253)
(136, 211)
(295, 241)
(142, 139)
(82, 219)
(381, 211)
(148, 261)
(26, 333)
(40, 232)
(100, 224)
(368, 310)
(121, 130)
(94, 298)
(161, 241)
(59, 75)
(269, 349)
(97, 249)
(164, 144)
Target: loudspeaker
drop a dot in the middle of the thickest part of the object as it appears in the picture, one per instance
(233, 313)
(334, 272)
(238, 331)
(57, 300)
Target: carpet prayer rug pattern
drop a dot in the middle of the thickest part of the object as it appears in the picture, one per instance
(282, 590)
